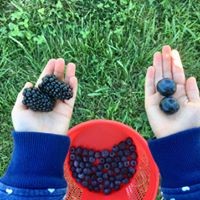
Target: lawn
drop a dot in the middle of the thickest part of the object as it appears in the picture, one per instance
(112, 43)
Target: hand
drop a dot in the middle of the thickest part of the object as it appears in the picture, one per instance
(56, 121)
(168, 65)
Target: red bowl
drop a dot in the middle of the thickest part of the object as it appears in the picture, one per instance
(103, 134)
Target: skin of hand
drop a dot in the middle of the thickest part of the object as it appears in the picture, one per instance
(167, 64)
(56, 121)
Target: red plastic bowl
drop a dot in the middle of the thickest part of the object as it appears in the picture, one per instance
(103, 134)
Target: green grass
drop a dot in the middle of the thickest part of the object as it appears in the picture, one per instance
(112, 43)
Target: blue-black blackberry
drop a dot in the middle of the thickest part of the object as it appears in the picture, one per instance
(37, 101)
(55, 88)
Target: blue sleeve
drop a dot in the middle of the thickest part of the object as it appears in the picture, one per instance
(36, 167)
(178, 159)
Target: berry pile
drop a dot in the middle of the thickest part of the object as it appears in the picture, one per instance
(104, 171)
(167, 87)
(44, 97)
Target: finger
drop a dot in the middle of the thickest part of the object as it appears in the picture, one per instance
(192, 89)
(18, 103)
(70, 72)
(73, 82)
(177, 68)
(157, 63)
(59, 68)
(150, 82)
(166, 57)
(49, 69)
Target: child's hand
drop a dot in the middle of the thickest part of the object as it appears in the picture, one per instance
(168, 65)
(58, 120)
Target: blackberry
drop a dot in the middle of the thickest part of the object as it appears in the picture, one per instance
(55, 88)
(37, 101)
(166, 87)
(169, 105)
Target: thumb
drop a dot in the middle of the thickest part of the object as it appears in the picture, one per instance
(18, 104)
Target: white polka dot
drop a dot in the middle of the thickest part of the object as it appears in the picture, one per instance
(185, 188)
(172, 199)
(9, 191)
(51, 190)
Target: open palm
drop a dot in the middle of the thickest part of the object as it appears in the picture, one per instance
(56, 121)
(168, 65)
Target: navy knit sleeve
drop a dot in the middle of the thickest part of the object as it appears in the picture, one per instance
(178, 159)
(36, 166)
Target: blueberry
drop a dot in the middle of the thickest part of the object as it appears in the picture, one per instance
(100, 180)
(129, 175)
(120, 153)
(169, 105)
(126, 163)
(117, 182)
(124, 170)
(123, 158)
(108, 159)
(112, 185)
(85, 183)
(91, 159)
(133, 163)
(116, 187)
(94, 169)
(105, 153)
(129, 141)
(96, 189)
(117, 159)
(116, 170)
(119, 177)
(110, 173)
(131, 170)
(166, 87)
(97, 154)
(87, 178)
(78, 170)
(107, 166)
(88, 164)
(72, 157)
(85, 152)
(79, 150)
(102, 160)
(114, 164)
(120, 165)
(82, 165)
(91, 153)
(75, 163)
(81, 176)
(107, 191)
(127, 152)
(99, 174)
(112, 154)
(125, 180)
(115, 148)
(106, 183)
(133, 156)
(72, 150)
(100, 167)
(105, 176)
(87, 171)
(85, 159)
(122, 145)
(94, 183)
(132, 148)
